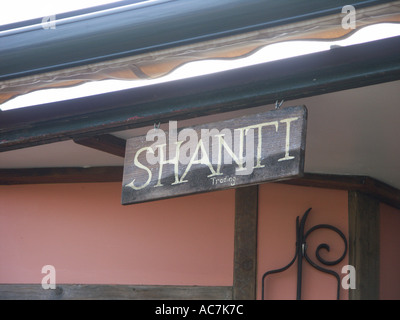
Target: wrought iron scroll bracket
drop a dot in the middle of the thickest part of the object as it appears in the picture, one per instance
(301, 253)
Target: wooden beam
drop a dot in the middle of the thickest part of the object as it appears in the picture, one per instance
(245, 254)
(105, 142)
(60, 175)
(364, 245)
(373, 187)
(117, 292)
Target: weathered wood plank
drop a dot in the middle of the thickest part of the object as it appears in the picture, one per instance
(364, 245)
(243, 151)
(245, 254)
(117, 292)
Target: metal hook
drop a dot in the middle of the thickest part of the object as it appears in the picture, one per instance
(278, 104)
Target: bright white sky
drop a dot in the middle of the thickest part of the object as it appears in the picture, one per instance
(19, 10)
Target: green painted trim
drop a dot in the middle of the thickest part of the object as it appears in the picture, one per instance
(160, 25)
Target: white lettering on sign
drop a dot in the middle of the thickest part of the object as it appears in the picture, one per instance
(200, 155)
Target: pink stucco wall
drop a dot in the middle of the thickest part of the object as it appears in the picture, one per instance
(84, 232)
(389, 253)
(278, 208)
(90, 238)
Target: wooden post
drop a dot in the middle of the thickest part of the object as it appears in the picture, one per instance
(245, 255)
(364, 245)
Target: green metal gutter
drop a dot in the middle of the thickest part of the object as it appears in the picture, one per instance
(138, 27)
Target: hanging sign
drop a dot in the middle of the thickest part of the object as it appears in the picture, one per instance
(243, 151)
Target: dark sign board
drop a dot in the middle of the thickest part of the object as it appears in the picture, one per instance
(243, 151)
